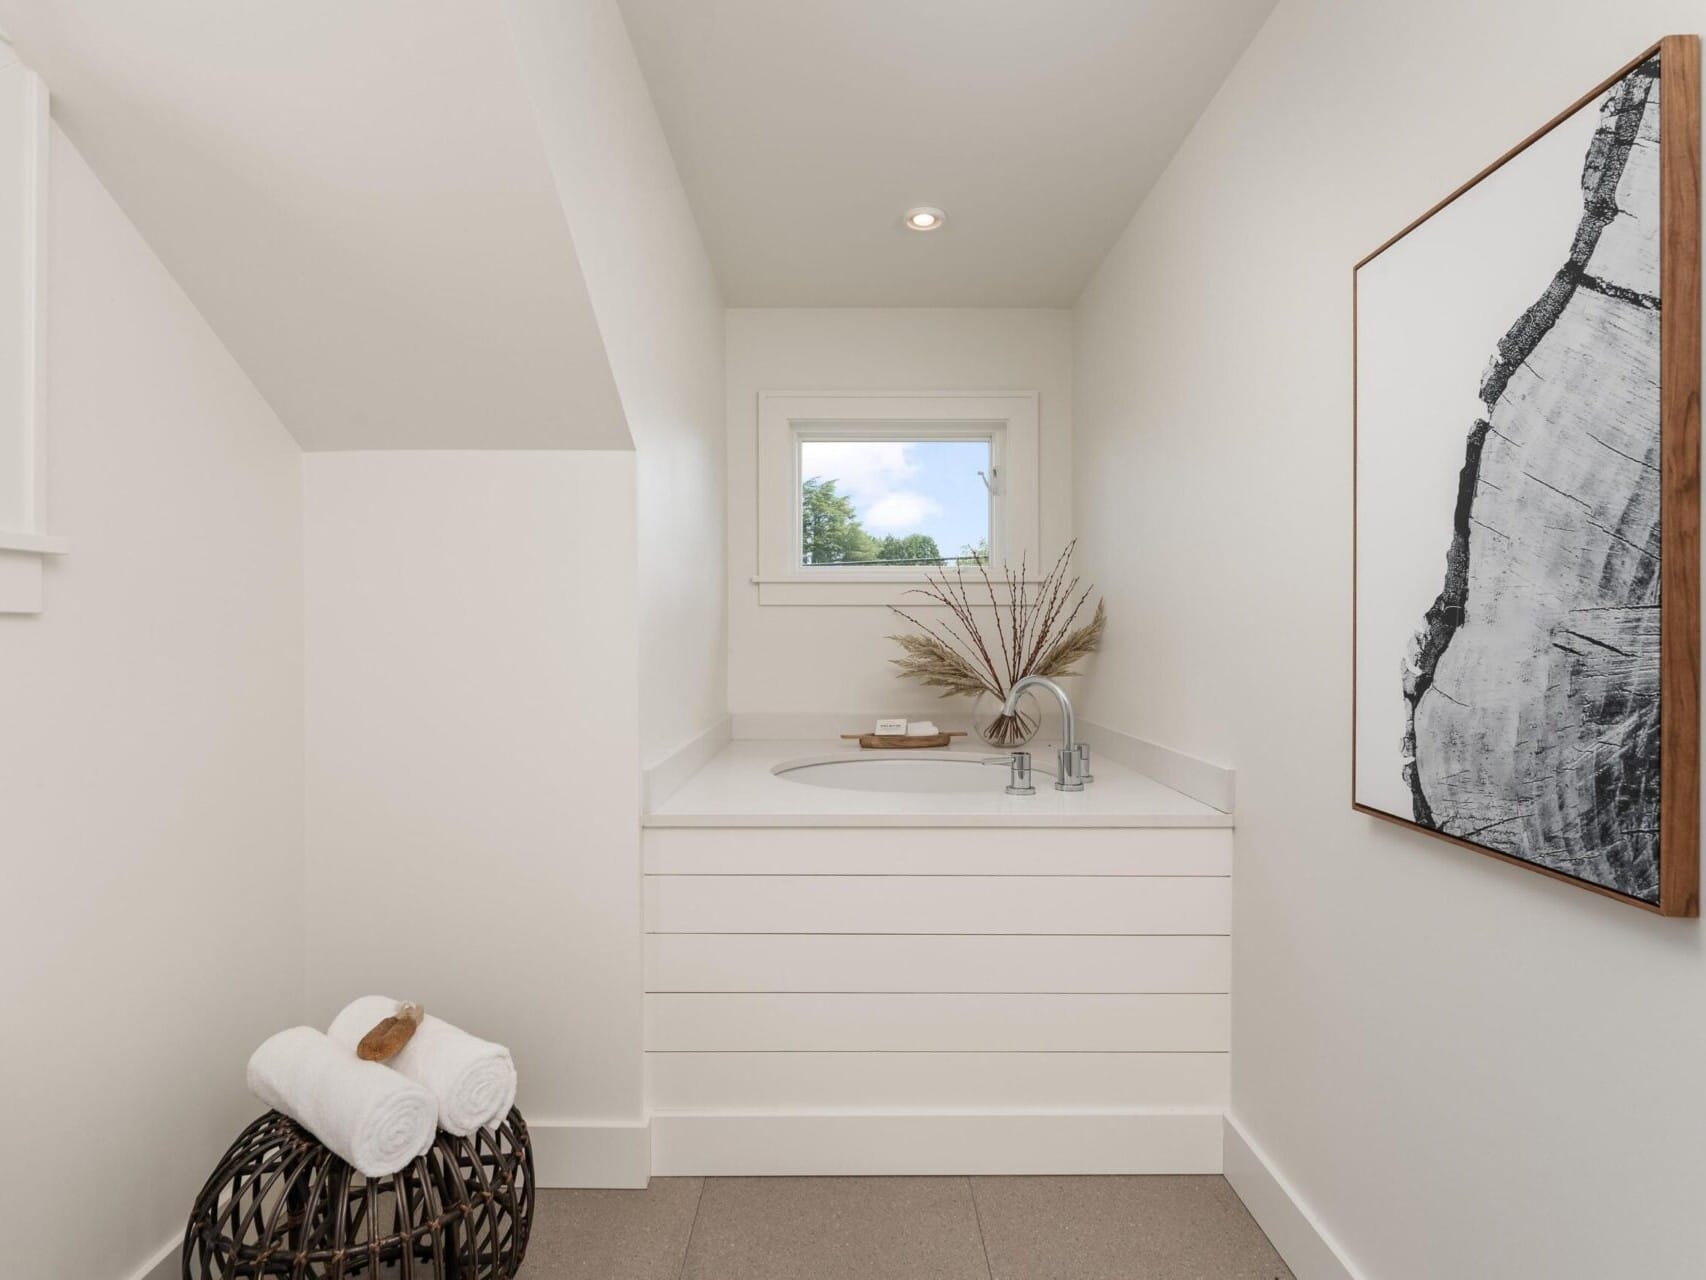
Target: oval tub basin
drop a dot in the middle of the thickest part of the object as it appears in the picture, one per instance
(915, 773)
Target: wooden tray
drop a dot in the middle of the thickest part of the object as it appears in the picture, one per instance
(902, 742)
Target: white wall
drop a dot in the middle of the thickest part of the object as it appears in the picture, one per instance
(661, 316)
(150, 763)
(835, 658)
(1463, 1068)
(472, 758)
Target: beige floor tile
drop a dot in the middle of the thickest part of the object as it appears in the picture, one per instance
(836, 1229)
(612, 1235)
(1133, 1228)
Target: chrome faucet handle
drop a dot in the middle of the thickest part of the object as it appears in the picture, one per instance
(1067, 778)
(1083, 769)
(1019, 777)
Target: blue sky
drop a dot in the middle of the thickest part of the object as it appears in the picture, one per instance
(901, 487)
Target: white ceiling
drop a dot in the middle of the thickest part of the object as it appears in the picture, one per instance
(356, 197)
(803, 129)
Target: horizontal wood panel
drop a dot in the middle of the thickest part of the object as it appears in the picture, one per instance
(1059, 1143)
(938, 904)
(940, 963)
(943, 1023)
(993, 851)
(948, 1081)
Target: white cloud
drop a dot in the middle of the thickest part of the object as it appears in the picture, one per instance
(867, 471)
(899, 512)
(874, 473)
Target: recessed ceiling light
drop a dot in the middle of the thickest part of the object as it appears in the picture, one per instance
(924, 218)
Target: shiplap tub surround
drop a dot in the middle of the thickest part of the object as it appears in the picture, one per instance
(929, 1000)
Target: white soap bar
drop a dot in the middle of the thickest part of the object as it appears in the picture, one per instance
(922, 729)
(891, 728)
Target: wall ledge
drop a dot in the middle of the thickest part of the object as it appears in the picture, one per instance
(827, 726)
(1273, 1202)
(1210, 784)
(663, 779)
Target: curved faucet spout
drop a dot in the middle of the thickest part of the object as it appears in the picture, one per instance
(1074, 769)
(1043, 682)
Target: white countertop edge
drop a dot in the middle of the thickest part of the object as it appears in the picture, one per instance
(932, 820)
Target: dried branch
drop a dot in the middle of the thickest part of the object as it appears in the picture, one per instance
(1035, 633)
(1074, 646)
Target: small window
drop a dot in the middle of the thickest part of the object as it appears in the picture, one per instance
(892, 499)
(861, 494)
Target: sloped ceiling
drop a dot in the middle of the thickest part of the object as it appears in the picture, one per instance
(356, 197)
(804, 129)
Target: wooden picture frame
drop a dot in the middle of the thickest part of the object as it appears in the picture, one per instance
(1665, 873)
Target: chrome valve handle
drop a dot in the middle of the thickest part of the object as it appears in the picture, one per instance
(1083, 769)
(1019, 776)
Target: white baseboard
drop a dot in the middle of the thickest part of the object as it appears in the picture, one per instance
(1302, 1241)
(1211, 784)
(167, 1264)
(575, 1154)
(663, 779)
(798, 1145)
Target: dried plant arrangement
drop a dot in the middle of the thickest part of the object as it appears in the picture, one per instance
(1032, 630)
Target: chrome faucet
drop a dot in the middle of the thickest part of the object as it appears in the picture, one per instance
(1074, 770)
(1019, 775)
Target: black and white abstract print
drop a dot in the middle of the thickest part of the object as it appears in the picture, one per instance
(1517, 704)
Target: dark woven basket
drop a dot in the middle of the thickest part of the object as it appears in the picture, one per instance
(281, 1205)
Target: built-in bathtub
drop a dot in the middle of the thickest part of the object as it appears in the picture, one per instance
(910, 971)
(759, 783)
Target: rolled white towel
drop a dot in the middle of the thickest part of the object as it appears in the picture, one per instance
(473, 1079)
(375, 1119)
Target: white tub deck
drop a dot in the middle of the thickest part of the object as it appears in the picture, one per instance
(739, 787)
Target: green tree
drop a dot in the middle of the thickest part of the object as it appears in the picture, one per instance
(830, 532)
(920, 547)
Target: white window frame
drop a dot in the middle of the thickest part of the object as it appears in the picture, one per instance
(1008, 419)
(24, 139)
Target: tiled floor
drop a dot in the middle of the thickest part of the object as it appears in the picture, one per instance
(1149, 1228)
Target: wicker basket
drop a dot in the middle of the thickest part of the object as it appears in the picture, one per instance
(281, 1205)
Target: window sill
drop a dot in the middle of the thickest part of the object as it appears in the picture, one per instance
(43, 544)
(21, 559)
(867, 590)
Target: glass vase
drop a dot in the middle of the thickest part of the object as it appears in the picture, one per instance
(1002, 732)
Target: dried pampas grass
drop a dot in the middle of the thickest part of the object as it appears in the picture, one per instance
(1030, 632)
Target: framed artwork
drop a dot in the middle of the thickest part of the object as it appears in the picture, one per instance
(1527, 506)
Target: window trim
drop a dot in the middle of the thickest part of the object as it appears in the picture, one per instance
(24, 540)
(1008, 418)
